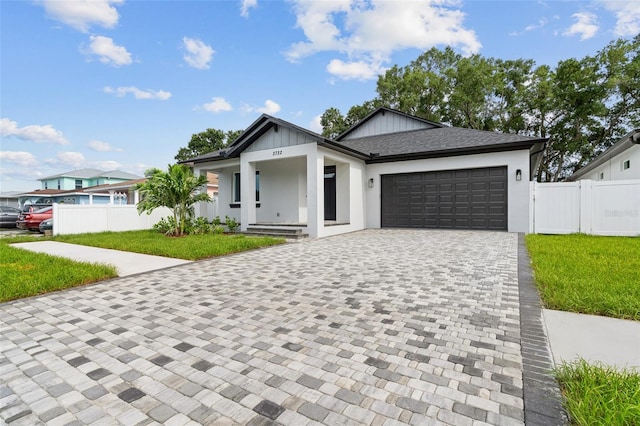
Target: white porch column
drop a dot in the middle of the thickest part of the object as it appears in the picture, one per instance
(111, 197)
(247, 194)
(315, 193)
(91, 198)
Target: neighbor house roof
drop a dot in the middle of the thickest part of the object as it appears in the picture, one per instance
(114, 186)
(92, 174)
(626, 142)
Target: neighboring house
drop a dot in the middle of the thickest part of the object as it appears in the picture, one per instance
(389, 170)
(10, 198)
(621, 161)
(71, 188)
(85, 178)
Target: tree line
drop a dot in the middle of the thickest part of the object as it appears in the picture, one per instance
(583, 105)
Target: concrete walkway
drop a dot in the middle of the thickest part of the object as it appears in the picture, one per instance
(611, 341)
(126, 263)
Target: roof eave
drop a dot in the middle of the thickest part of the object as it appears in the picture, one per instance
(514, 146)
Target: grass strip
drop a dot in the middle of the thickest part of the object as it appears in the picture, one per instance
(24, 273)
(188, 247)
(588, 274)
(595, 394)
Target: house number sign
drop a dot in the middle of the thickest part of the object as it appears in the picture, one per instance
(277, 152)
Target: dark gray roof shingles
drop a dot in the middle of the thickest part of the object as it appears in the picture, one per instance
(431, 140)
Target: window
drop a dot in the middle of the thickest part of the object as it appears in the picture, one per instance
(236, 187)
(46, 184)
(78, 183)
(626, 164)
(59, 184)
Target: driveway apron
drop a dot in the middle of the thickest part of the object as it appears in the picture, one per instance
(375, 327)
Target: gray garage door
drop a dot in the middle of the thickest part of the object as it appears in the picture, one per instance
(452, 199)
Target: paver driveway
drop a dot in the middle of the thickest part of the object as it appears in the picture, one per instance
(375, 327)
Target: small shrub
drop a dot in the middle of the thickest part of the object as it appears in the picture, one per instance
(200, 226)
(216, 221)
(166, 225)
(217, 229)
(232, 224)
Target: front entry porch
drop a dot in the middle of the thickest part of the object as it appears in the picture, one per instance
(299, 190)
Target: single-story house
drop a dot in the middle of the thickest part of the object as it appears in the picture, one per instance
(391, 169)
(621, 161)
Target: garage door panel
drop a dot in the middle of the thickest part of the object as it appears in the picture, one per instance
(455, 199)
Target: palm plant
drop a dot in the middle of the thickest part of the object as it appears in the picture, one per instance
(177, 189)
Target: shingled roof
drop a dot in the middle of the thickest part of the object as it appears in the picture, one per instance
(436, 141)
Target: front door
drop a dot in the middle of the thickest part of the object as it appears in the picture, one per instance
(330, 193)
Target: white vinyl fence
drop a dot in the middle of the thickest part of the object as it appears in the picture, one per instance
(82, 218)
(586, 206)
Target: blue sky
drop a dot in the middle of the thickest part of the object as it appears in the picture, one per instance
(115, 84)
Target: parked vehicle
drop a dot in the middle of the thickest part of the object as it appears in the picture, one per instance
(31, 221)
(46, 225)
(9, 216)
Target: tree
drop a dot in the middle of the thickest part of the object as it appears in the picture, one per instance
(582, 105)
(177, 189)
(205, 142)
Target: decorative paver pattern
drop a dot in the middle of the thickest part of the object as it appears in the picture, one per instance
(375, 327)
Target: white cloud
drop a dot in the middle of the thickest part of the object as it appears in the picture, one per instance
(107, 52)
(270, 107)
(81, 14)
(198, 54)
(102, 146)
(370, 31)
(70, 158)
(246, 5)
(627, 15)
(217, 105)
(316, 125)
(137, 93)
(354, 70)
(32, 133)
(21, 158)
(531, 27)
(586, 25)
(106, 165)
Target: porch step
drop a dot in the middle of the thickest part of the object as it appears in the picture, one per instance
(282, 232)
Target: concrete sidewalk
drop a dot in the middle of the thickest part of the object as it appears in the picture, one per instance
(127, 263)
(594, 338)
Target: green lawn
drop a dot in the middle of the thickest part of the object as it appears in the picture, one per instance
(600, 395)
(588, 274)
(188, 247)
(24, 273)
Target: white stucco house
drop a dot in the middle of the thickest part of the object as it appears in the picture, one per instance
(621, 161)
(389, 170)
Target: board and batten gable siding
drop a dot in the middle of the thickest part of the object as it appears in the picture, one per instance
(390, 122)
(282, 138)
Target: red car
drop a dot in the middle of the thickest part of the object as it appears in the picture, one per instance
(31, 220)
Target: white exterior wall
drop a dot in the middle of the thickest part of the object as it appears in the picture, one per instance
(613, 170)
(350, 204)
(282, 182)
(517, 191)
